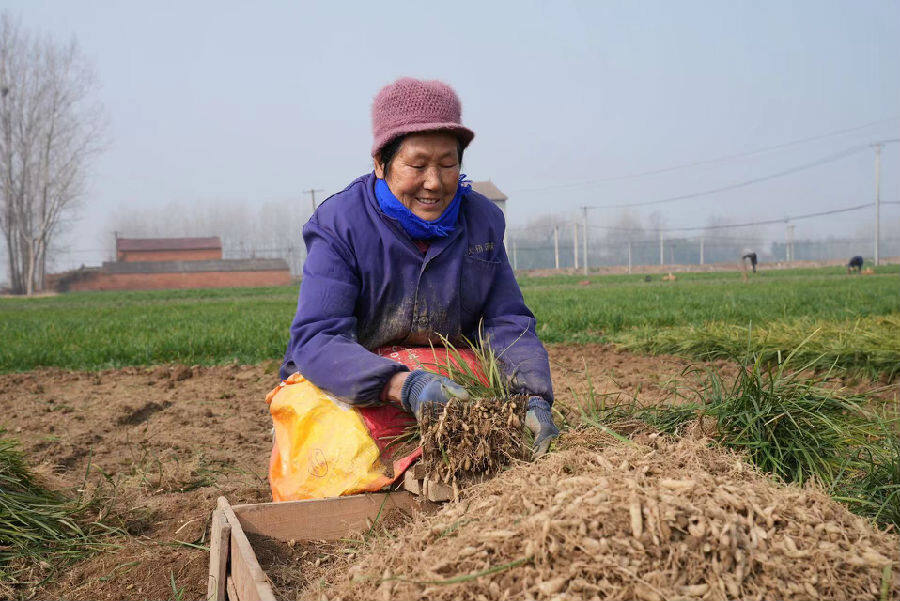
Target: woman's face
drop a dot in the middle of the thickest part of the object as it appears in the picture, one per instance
(424, 173)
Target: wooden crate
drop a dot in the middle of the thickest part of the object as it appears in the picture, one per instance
(416, 482)
(235, 573)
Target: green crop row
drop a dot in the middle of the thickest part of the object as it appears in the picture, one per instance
(93, 330)
(868, 344)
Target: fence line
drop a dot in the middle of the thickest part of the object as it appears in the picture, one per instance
(526, 253)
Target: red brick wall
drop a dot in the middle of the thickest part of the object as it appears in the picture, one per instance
(203, 279)
(202, 254)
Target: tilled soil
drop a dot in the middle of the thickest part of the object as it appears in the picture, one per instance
(166, 441)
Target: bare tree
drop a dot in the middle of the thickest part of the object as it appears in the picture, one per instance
(50, 129)
(626, 228)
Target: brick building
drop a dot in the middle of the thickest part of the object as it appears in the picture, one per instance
(154, 263)
(168, 249)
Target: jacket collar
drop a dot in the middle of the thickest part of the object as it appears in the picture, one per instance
(436, 247)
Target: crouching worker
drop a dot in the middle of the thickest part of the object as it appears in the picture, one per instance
(402, 256)
(855, 263)
(748, 255)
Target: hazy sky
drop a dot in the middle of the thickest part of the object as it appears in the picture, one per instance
(254, 102)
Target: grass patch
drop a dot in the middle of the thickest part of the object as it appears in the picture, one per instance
(789, 425)
(795, 427)
(98, 330)
(41, 531)
(870, 344)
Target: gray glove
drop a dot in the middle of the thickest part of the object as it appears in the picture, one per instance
(540, 421)
(426, 389)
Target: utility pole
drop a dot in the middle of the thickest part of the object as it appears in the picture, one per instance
(515, 256)
(584, 231)
(877, 146)
(629, 256)
(556, 245)
(877, 198)
(789, 243)
(312, 196)
(701, 251)
(661, 257)
(575, 242)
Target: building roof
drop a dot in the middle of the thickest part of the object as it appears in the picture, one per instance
(487, 188)
(149, 244)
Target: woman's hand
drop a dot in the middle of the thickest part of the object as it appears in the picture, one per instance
(392, 390)
(423, 388)
(539, 420)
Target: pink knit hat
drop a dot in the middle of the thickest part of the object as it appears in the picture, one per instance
(413, 105)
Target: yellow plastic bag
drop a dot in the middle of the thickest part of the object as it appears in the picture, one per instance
(322, 446)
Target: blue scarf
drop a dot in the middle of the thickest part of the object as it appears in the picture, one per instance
(415, 226)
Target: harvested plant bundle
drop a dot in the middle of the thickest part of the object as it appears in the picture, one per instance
(473, 437)
(668, 520)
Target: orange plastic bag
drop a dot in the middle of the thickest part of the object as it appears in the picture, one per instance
(326, 448)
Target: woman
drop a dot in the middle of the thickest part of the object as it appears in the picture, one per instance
(408, 253)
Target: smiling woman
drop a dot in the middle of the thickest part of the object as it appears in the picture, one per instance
(422, 171)
(408, 255)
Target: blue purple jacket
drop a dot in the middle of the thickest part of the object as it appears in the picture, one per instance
(366, 285)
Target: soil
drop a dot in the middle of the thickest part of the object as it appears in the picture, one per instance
(164, 442)
(294, 566)
(169, 440)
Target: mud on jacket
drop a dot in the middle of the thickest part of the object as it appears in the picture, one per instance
(366, 284)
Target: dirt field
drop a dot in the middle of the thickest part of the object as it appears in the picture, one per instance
(171, 439)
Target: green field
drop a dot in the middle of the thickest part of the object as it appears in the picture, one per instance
(703, 314)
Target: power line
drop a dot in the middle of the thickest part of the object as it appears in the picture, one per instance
(714, 242)
(721, 159)
(721, 226)
(823, 161)
(772, 221)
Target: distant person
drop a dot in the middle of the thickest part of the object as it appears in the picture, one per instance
(748, 254)
(855, 263)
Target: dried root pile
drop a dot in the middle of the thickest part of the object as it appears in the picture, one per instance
(664, 520)
(473, 438)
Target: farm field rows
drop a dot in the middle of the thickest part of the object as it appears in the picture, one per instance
(159, 450)
(155, 446)
(699, 314)
(98, 390)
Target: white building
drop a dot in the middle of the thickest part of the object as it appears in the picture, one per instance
(493, 193)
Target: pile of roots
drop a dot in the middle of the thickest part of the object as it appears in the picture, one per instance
(476, 437)
(662, 520)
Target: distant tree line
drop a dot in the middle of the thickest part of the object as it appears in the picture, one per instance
(269, 229)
